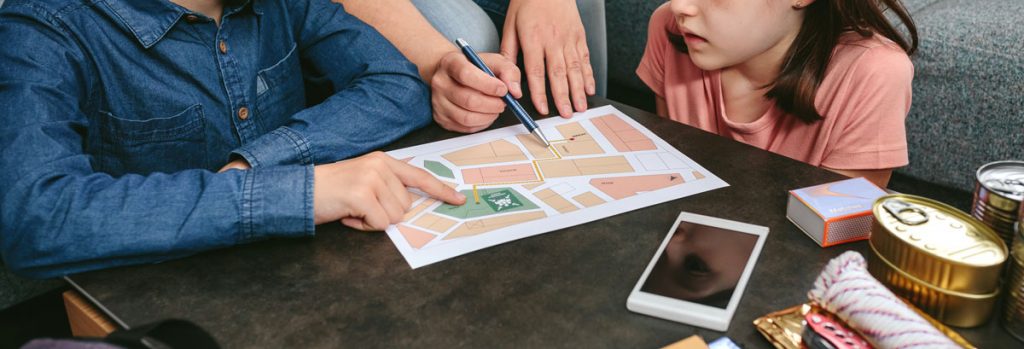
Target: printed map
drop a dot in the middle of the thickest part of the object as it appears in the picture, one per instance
(600, 163)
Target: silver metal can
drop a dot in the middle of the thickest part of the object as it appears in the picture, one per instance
(998, 191)
(1013, 310)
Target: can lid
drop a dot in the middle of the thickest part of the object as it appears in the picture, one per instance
(1003, 177)
(940, 231)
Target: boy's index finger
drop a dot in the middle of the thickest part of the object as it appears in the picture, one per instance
(415, 177)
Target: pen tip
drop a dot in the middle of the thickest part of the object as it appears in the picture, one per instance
(461, 42)
(540, 137)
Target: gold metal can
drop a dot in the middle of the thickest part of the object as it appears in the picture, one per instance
(951, 308)
(937, 244)
(998, 191)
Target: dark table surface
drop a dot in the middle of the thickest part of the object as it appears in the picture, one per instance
(567, 288)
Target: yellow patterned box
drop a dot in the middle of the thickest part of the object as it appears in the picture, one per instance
(834, 213)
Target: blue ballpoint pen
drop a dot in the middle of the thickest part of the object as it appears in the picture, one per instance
(517, 109)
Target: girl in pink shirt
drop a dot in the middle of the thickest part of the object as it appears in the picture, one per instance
(826, 82)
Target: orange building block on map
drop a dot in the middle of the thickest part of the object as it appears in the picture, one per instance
(481, 226)
(623, 137)
(499, 174)
(531, 186)
(623, 187)
(588, 199)
(584, 167)
(487, 153)
(577, 141)
(434, 223)
(556, 201)
(539, 151)
(415, 237)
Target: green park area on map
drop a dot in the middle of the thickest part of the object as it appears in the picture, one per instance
(492, 201)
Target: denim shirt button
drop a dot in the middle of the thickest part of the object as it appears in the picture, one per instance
(191, 18)
(223, 47)
(243, 113)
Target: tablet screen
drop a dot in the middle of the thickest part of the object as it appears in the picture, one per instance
(701, 264)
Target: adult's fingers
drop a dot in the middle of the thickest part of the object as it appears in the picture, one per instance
(558, 79)
(507, 71)
(509, 39)
(473, 100)
(589, 82)
(533, 62)
(417, 178)
(454, 118)
(574, 69)
(459, 68)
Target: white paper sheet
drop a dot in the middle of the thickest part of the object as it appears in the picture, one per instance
(603, 163)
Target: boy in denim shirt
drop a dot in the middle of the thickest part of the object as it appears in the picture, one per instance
(140, 131)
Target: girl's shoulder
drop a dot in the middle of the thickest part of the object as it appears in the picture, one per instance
(661, 21)
(870, 52)
(871, 60)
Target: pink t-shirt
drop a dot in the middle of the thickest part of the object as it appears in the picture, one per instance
(864, 99)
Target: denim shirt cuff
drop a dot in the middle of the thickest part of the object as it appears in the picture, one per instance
(282, 146)
(277, 202)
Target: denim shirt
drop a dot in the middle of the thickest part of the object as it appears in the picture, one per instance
(116, 115)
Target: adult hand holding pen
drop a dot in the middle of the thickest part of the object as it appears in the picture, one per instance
(550, 33)
(464, 98)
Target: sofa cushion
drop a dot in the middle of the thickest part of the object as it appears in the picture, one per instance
(627, 36)
(968, 106)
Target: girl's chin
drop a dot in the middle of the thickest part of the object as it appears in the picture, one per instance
(706, 62)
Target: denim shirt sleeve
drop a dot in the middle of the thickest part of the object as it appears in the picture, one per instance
(380, 95)
(58, 216)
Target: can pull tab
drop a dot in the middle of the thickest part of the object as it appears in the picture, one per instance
(1014, 185)
(904, 212)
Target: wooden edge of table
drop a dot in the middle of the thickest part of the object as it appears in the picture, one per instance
(84, 318)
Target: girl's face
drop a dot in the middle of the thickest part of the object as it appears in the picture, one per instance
(724, 33)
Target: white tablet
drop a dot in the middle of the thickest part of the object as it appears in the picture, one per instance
(698, 275)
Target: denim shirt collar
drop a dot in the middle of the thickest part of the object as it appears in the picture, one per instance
(150, 20)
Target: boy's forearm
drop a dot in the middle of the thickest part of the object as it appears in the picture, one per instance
(402, 24)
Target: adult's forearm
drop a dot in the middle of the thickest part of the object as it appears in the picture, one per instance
(402, 24)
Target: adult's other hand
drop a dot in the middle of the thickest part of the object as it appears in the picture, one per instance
(554, 44)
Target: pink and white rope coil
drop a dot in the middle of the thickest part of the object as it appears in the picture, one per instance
(846, 289)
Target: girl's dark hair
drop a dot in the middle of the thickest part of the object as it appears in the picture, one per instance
(824, 21)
